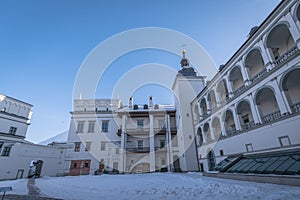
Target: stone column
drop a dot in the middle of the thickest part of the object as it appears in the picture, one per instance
(169, 144)
(123, 143)
(265, 54)
(152, 147)
(222, 126)
(282, 103)
(236, 118)
(254, 111)
(229, 86)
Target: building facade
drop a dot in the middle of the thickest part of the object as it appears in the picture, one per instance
(252, 104)
(107, 136)
(17, 154)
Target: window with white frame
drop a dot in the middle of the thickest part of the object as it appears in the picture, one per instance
(249, 147)
(12, 130)
(88, 146)
(91, 128)
(105, 124)
(140, 123)
(102, 146)
(6, 151)
(284, 141)
(161, 124)
(140, 144)
(162, 143)
(77, 147)
(80, 126)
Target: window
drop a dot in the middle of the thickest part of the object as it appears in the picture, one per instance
(115, 166)
(12, 130)
(1, 144)
(6, 151)
(140, 124)
(161, 123)
(91, 128)
(88, 146)
(102, 146)
(75, 165)
(117, 150)
(86, 164)
(140, 144)
(105, 126)
(80, 127)
(77, 147)
(284, 141)
(163, 161)
(221, 152)
(162, 143)
(249, 147)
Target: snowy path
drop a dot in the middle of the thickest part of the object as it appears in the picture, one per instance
(155, 186)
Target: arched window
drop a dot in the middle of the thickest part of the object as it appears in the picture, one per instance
(267, 105)
(229, 123)
(236, 79)
(207, 132)
(291, 88)
(281, 43)
(216, 126)
(254, 64)
(245, 115)
(222, 91)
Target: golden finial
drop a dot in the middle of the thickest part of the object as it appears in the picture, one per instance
(183, 52)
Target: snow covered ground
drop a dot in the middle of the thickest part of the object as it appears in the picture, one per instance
(153, 186)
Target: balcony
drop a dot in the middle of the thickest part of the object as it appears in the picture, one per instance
(138, 130)
(239, 90)
(248, 125)
(282, 59)
(271, 117)
(232, 132)
(258, 76)
(138, 149)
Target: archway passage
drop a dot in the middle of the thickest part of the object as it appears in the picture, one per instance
(229, 123)
(211, 160)
(267, 105)
(199, 136)
(176, 164)
(207, 132)
(291, 88)
(254, 64)
(281, 43)
(236, 79)
(216, 126)
(203, 107)
(141, 168)
(222, 91)
(245, 115)
(212, 99)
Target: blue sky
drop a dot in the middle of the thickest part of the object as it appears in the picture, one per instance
(44, 42)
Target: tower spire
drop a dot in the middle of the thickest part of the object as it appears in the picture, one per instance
(185, 62)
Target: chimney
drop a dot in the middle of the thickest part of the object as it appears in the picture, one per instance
(130, 105)
(150, 102)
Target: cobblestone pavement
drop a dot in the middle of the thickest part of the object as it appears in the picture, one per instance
(34, 193)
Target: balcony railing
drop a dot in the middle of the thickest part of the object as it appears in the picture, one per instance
(259, 75)
(287, 55)
(137, 130)
(248, 125)
(239, 90)
(271, 117)
(138, 149)
(296, 107)
(232, 132)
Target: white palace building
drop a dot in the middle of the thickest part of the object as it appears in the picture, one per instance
(245, 120)
(248, 114)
